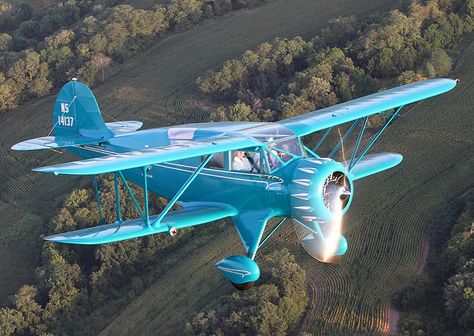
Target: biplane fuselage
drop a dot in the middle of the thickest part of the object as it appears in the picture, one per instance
(241, 190)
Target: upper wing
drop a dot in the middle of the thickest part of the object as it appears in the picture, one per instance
(375, 103)
(143, 158)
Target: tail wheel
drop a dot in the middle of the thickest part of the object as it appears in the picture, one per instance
(244, 286)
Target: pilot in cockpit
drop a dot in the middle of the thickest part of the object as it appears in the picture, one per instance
(241, 162)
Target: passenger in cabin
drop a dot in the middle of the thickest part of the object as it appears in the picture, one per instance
(241, 162)
(271, 158)
(284, 155)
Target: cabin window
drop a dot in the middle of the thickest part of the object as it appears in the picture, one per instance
(246, 161)
(216, 162)
(286, 149)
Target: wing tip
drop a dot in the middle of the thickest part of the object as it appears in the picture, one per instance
(46, 170)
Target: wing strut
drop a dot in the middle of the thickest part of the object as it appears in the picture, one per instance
(117, 199)
(97, 198)
(130, 192)
(339, 144)
(376, 136)
(359, 139)
(182, 190)
(145, 214)
(322, 139)
(272, 231)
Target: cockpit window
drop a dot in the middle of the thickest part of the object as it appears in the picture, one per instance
(287, 149)
(263, 160)
(217, 161)
(281, 152)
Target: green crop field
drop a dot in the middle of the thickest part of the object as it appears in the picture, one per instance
(385, 227)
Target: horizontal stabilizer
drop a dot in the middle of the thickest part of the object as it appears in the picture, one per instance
(135, 228)
(375, 163)
(122, 127)
(146, 157)
(49, 142)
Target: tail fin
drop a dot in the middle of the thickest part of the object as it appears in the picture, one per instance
(77, 114)
(76, 121)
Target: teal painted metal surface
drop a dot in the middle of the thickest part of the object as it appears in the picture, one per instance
(359, 139)
(375, 163)
(341, 141)
(250, 226)
(376, 136)
(146, 157)
(239, 269)
(76, 113)
(320, 142)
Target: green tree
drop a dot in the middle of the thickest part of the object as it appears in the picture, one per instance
(11, 321)
(30, 75)
(459, 296)
(236, 112)
(60, 279)
(441, 62)
(181, 13)
(25, 303)
(5, 42)
(9, 94)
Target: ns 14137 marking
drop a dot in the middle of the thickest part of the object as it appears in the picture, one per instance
(65, 121)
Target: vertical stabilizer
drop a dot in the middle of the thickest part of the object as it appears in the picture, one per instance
(76, 113)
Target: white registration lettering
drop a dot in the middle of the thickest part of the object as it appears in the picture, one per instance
(65, 121)
(64, 107)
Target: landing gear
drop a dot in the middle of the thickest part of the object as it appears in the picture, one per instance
(241, 271)
(244, 286)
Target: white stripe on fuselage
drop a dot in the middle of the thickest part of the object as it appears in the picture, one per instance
(189, 169)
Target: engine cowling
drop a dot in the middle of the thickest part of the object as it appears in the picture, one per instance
(316, 185)
(321, 192)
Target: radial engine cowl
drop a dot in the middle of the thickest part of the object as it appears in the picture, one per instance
(319, 189)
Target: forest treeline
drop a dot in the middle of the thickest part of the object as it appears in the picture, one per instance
(440, 300)
(41, 50)
(350, 58)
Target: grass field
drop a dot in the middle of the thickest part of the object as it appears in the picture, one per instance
(157, 87)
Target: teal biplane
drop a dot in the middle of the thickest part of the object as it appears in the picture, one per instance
(250, 172)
